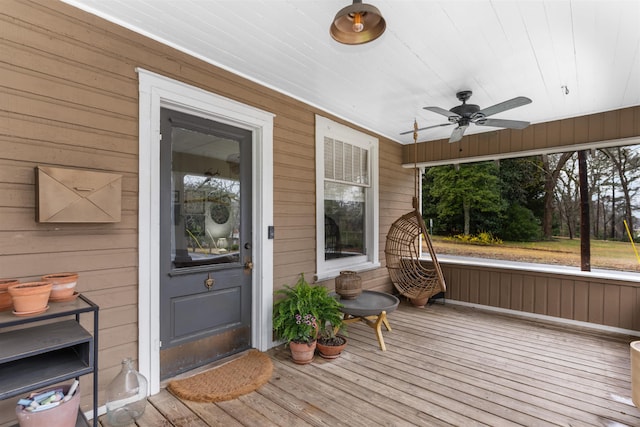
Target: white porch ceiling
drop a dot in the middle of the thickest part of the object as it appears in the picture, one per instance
(432, 49)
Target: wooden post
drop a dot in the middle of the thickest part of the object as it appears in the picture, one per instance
(585, 240)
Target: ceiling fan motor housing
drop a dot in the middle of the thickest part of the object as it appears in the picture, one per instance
(465, 110)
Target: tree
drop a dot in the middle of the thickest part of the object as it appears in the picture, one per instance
(599, 172)
(552, 166)
(626, 164)
(465, 188)
(522, 182)
(522, 190)
(567, 196)
(521, 225)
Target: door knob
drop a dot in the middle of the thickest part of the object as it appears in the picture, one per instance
(209, 281)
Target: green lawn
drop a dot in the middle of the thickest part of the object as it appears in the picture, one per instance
(604, 254)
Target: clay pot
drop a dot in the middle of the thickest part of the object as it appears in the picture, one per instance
(5, 297)
(302, 353)
(30, 298)
(348, 285)
(419, 302)
(64, 284)
(635, 373)
(331, 351)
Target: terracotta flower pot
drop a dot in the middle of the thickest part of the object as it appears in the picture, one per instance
(64, 285)
(30, 298)
(302, 353)
(5, 297)
(419, 302)
(635, 372)
(327, 351)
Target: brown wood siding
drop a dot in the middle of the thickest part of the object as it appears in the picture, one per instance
(560, 135)
(69, 98)
(607, 302)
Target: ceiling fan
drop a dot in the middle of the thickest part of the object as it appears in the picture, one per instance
(465, 114)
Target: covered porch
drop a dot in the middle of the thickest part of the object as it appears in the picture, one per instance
(444, 365)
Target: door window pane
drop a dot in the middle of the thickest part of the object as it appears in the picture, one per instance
(206, 194)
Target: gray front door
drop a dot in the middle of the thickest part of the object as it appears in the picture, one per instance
(205, 242)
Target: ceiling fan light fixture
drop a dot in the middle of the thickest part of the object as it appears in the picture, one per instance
(357, 24)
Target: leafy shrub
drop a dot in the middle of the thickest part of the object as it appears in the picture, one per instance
(483, 238)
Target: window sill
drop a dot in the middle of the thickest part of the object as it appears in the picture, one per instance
(358, 268)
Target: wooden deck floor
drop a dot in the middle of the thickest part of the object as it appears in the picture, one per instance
(444, 365)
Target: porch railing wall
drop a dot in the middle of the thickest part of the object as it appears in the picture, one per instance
(602, 301)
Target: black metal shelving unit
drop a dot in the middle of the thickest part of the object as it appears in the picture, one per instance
(49, 348)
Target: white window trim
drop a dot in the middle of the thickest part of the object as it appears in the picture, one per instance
(157, 91)
(329, 269)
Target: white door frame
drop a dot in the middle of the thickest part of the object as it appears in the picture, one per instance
(157, 91)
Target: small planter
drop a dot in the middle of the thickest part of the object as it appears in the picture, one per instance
(419, 302)
(302, 353)
(64, 285)
(30, 298)
(64, 414)
(635, 372)
(5, 297)
(331, 351)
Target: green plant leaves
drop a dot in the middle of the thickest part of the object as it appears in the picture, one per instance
(305, 299)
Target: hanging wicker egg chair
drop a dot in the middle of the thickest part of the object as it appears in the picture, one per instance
(409, 275)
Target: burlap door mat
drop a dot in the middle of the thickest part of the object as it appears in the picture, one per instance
(226, 382)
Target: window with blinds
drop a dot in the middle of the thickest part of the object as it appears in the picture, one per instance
(347, 224)
(346, 163)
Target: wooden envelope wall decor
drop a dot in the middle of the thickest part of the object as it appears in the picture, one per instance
(76, 195)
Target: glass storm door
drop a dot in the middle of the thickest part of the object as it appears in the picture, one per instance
(205, 246)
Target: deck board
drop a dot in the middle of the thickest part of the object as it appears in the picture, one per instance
(444, 365)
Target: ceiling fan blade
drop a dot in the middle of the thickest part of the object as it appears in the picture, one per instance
(425, 128)
(500, 123)
(457, 134)
(442, 111)
(504, 106)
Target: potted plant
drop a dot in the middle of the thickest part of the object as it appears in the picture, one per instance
(332, 329)
(298, 317)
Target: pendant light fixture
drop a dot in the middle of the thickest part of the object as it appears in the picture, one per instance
(357, 24)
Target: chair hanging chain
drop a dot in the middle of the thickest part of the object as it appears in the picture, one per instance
(415, 164)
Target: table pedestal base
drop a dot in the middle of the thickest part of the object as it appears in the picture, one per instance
(375, 321)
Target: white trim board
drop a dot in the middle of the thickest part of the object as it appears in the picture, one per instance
(157, 91)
